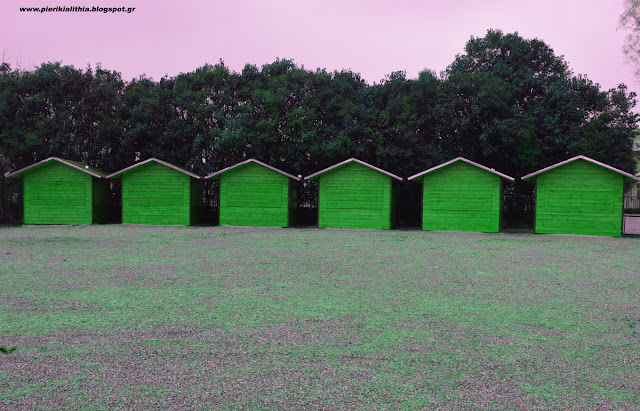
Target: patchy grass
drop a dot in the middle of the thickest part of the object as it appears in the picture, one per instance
(228, 317)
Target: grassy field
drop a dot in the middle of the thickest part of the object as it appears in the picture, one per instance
(117, 316)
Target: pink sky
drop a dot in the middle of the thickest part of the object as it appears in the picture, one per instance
(370, 37)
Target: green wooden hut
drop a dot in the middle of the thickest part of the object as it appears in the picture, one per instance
(579, 196)
(354, 194)
(59, 191)
(159, 193)
(461, 195)
(253, 193)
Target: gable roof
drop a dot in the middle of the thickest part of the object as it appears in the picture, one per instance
(251, 160)
(94, 172)
(164, 163)
(491, 170)
(628, 177)
(311, 176)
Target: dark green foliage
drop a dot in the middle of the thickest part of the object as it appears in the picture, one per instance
(7, 350)
(517, 106)
(59, 111)
(506, 102)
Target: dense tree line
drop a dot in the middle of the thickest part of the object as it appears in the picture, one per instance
(506, 102)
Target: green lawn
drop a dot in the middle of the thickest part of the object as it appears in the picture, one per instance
(228, 317)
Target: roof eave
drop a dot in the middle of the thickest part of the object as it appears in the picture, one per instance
(315, 175)
(251, 160)
(590, 160)
(473, 163)
(18, 173)
(117, 174)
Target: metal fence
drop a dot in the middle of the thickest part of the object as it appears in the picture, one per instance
(10, 201)
(631, 203)
(307, 195)
(519, 205)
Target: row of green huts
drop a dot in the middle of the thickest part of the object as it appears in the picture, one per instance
(576, 196)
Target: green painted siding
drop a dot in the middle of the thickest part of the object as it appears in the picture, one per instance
(579, 198)
(461, 197)
(253, 195)
(354, 196)
(57, 194)
(156, 194)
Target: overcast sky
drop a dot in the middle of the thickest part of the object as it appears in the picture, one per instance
(370, 37)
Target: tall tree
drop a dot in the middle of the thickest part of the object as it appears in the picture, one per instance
(543, 109)
(515, 105)
(96, 117)
(202, 101)
(630, 21)
(146, 115)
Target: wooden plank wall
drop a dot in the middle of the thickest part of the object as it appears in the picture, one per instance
(57, 194)
(156, 194)
(461, 197)
(253, 195)
(579, 198)
(354, 196)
